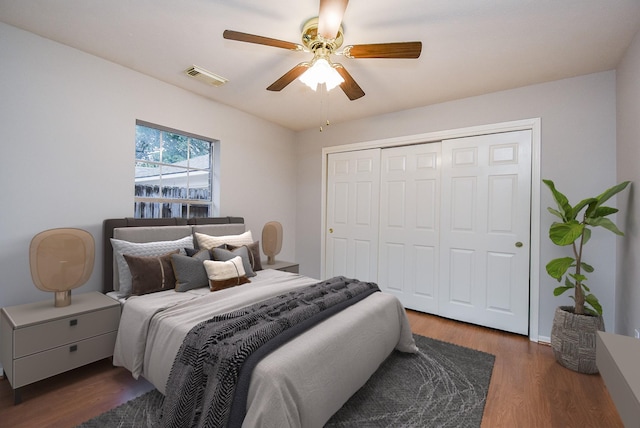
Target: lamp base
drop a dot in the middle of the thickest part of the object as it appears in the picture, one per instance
(62, 298)
(271, 260)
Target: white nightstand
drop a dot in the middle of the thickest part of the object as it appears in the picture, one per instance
(283, 266)
(39, 340)
(617, 359)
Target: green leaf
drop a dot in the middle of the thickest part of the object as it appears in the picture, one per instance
(558, 267)
(607, 224)
(565, 233)
(555, 213)
(589, 311)
(561, 200)
(585, 286)
(578, 277)
(593, 301)
(604, 196)
(604, 211)
(591, 202)
(586, 235)
(559, 290)
(586, 267)
(568, 283)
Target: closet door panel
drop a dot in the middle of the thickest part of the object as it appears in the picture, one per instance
(353, 194)
(426, 210)
(462, 276)
(499, 265)
(339, 254)
(464, 201)
(409, 211)
(393, 275)
(485, 230)
(425, 271)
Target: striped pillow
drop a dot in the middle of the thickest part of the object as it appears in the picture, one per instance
(225, 274)
(207, 242)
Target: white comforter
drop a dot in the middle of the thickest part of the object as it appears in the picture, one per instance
(340, 353)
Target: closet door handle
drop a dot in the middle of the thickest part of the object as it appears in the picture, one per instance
(518, 244)
(330, 230)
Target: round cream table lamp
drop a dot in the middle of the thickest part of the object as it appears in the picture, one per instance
(271, 240)
(61, 260)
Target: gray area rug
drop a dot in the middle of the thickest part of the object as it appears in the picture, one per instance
(444, 385)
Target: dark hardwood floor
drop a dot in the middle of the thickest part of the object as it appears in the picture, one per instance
(528, 388)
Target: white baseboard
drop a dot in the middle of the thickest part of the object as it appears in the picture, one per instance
(544, 340)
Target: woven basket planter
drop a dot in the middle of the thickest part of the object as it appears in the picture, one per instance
(573, 339)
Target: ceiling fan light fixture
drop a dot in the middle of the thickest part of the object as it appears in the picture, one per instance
(321, 72)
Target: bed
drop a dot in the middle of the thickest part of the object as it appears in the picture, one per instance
(300, 384)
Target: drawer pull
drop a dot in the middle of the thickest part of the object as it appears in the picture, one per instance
(73, 322)
(73, 348)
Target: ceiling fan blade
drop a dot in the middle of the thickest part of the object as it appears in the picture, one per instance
(384, 50)
(349, 86)
(289, 77)
(330, 17)
(260, 40)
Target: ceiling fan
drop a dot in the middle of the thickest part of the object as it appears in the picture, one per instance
(322, 36)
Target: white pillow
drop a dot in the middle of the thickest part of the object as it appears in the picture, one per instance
(143, 249)
(207, 242)
(225, 274)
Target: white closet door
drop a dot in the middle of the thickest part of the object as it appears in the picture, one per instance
(409, 212)
(353, 195)
(485, 236)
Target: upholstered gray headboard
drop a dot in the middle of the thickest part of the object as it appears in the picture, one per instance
(158, 229)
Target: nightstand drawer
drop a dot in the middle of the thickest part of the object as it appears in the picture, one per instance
(41, 337)
(58, 360)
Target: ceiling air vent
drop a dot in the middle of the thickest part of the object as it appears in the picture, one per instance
(205, 76)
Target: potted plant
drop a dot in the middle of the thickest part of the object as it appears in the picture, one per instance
(574, 327)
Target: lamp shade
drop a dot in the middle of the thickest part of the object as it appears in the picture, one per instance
(271, 240)
(321, 72)
(61, 260)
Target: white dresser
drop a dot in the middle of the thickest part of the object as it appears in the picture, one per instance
(38, 340)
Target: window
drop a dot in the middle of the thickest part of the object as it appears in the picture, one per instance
(173, 173)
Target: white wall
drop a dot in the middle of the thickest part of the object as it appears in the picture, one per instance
(628, 114)
(578, 138)
(67, 129)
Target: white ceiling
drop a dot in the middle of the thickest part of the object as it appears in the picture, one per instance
(470, 47)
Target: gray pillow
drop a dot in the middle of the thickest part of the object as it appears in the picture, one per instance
(254, 254)
(223, 255)
(142, 249)
(189, 271)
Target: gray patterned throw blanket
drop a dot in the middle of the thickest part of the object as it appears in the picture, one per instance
(209, 380)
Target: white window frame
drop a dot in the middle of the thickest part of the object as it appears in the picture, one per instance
(212, 172)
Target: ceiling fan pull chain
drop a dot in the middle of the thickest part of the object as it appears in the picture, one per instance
(323, 94)
(324, 106)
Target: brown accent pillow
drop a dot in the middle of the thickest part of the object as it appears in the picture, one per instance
(152, 273)
(254, 254)
(217, 285)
